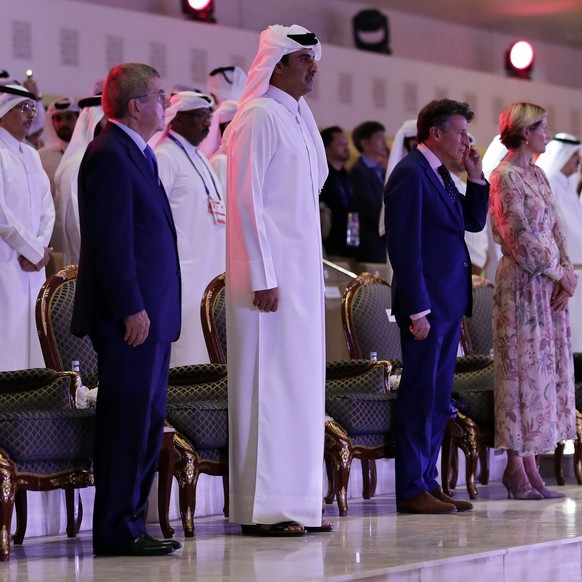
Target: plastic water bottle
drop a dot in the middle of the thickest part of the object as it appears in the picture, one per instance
(353, 230)
(374, 356)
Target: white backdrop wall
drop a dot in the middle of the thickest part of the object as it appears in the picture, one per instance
(70, 44)
(412, 37)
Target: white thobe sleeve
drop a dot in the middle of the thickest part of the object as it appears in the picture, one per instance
(14, 233)
(253, 144)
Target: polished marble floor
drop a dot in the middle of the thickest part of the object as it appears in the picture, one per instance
(501, 540)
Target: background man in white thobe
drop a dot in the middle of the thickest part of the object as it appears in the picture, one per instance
(27, 217)
(275, 293)
(561, 163)
(197, 200)
(90, 122)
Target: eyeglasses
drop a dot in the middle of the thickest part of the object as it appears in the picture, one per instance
(161, 97)
(26, 107)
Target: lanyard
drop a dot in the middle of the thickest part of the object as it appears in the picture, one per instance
(177, 142)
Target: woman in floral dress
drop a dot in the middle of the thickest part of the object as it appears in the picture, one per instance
(534, 391)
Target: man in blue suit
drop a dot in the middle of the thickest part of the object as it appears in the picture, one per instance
(128, 302)
(426, 218)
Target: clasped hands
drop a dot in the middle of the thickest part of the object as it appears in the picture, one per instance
(563, 290)
(31, 267)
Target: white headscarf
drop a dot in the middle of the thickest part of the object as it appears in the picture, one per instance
(493, 156)
(64, 104)
(398, 149)
(274, 44)
(182, 101)
(558, 151)
(226, 83)
(223, 114)
(84, 132)
(11, 96)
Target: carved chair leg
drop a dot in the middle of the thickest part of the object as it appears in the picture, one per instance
(578, 460)
(341, 480)
(446, 447)
(578, 449)
(21, 505)
(74, 507)
(188, 503)
(468, 442)
(226, 492)
(8, 488)
(339, 456)
(558, 464)
(329, 496)
(365, 478)
(165, 473)
(483, 465)
(454, 467)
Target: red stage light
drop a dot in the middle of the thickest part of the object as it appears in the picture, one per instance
(202, 10)
(519, 60)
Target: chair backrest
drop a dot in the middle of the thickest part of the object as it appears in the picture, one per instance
(213, 316)
(367, 319)
(477, 330)
(54, 311)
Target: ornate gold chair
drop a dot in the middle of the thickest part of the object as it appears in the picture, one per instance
(369, 327)
(59, 346)
(45, 444)
(355, 397)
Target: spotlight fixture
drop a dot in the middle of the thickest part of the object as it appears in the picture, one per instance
(371, 31)
(519, 60)
(201, 10)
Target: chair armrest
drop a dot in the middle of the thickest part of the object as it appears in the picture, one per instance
(351, 376)
(196, 374)
(37, 389)
(201, 382)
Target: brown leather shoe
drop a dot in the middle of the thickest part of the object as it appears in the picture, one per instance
(424, 503)
(458, 503)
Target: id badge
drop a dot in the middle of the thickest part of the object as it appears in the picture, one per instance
(217, 209)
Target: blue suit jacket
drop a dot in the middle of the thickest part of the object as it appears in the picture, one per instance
(129, 256)
(425, 238)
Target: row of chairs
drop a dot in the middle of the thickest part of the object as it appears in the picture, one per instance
(358, 398)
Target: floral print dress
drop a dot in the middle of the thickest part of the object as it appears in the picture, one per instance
(534, 377)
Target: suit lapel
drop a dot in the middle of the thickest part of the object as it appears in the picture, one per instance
(143, 165)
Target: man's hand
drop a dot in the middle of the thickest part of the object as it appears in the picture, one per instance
(267, 299)
(420, 328)
(137, 328)
(30, 267)
(472, 161)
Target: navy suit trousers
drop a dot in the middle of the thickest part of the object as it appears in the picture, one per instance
(423, 404)
(129, 424)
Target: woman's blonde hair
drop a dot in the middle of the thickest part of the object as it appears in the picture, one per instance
(515, 118)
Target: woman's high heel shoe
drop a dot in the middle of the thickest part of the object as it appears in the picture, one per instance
(524, 493)
(549, 494)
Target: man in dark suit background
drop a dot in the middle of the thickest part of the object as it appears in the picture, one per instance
(426, 219)
(367, 175)
(128, 302)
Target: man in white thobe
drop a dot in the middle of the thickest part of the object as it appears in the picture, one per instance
(275, 292)
(90, 122)
(27, 217)
(561, 163)
(197, 200)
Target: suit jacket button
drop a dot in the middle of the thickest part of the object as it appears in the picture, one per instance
(465, 264)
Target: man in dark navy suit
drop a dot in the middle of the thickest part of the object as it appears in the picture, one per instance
(128, 302)
(426, 219)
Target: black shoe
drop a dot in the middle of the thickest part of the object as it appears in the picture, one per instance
(175, 545)
(140, 546)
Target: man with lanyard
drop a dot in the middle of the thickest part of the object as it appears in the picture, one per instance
(197, 202)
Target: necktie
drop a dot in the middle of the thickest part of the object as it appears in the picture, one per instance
(151, 158)
(449, 184)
